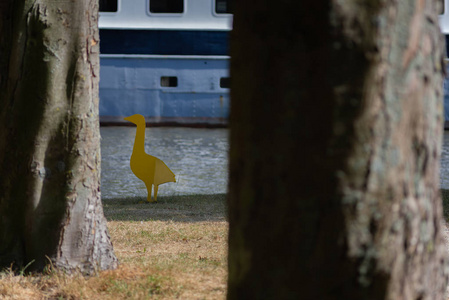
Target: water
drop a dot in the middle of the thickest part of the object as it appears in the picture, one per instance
(198, 157)
(444, 172)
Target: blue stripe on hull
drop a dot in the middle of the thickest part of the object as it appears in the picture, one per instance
(164, 42)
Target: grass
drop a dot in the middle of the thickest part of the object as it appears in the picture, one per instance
(175, 248)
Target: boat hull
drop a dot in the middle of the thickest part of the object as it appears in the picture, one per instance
(196, 92)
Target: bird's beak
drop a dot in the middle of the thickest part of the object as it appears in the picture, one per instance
(127, 119)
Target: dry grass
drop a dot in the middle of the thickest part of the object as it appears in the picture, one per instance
(173, 249)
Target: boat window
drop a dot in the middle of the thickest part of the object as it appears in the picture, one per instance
(108, 5)
(441, 7)
(225, 82)
(169, 81)
(223, 6)
(167, 6)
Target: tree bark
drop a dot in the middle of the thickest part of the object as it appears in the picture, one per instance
(336, 127)
(50, 205)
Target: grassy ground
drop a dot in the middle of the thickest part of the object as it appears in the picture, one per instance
(175, 248)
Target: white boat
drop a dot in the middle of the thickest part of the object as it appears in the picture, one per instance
(165, 59)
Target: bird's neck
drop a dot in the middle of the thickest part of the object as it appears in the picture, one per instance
(139, 142)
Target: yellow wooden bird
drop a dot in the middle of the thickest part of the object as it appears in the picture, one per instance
(151, 170)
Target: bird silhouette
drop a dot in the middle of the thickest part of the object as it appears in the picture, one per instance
(151, 170)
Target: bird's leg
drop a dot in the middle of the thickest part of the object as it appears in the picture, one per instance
(149, 188)
(155, 192)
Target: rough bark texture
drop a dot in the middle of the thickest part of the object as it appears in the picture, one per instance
(50, 206)
(336, 127)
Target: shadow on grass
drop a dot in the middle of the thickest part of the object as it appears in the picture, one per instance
(445, 198)
(186, 208)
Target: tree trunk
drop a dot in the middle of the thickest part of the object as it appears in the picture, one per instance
(50, 205)
(336, 127)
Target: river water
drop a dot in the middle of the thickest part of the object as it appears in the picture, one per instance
(444, 172)
(197, 156)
